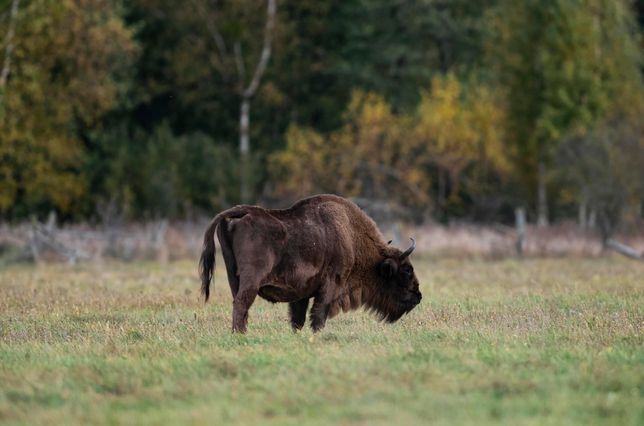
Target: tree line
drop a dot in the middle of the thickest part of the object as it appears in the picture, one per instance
(449, 109)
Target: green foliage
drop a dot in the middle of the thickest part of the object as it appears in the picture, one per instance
(562, 65)
(396, 48)
(159, 174)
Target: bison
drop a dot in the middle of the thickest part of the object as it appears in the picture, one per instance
(323, 247)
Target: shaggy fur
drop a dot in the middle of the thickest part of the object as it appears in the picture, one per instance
(323, 247)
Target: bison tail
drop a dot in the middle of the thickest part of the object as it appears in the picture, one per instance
(207, 260)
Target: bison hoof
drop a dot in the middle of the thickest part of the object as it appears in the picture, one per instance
(316, 327)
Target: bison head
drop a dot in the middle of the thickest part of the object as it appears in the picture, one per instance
(399, 292)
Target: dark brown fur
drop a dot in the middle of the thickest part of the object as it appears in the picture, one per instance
(323, 247)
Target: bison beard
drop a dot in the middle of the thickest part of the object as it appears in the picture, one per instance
(323, 247)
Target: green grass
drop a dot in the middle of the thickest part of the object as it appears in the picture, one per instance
(532, 342)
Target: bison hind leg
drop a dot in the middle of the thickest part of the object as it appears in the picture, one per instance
(225, 242)
(297, 311)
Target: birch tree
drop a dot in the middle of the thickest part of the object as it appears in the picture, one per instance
(231, 61)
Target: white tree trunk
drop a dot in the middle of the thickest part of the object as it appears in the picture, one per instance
(247, 94)
(442, 188)
(542, 196)
(583, 214)
(244, 149)
(519, 215)
(592, 219)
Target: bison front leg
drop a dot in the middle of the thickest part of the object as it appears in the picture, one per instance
(319, 314)
(298, 313)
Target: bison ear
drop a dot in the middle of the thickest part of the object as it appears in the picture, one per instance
(388, 268)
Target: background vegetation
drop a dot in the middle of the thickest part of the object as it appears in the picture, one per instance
(451, 109)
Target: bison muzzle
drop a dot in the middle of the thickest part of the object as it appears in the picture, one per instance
(323, 247)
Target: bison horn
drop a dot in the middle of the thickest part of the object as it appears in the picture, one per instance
(409, 250)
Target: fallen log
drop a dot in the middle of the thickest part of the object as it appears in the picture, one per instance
(624, 250)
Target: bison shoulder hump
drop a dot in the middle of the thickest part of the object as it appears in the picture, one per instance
(330, 213)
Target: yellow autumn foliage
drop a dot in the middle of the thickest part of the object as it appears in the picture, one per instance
(383, 155)
(370, 156)
(460, 126)
(62, 77)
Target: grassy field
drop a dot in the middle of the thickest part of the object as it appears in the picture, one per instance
(520, 342)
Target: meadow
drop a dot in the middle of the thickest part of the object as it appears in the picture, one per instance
(535, 341)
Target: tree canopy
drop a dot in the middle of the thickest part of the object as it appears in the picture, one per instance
(450, 109)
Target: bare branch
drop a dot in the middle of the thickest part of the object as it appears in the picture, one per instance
(266, 50)
(239, 61)
(6, 67)
(222, 51)
(42, 237)
(398, 176)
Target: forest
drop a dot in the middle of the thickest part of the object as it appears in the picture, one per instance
(448, 110)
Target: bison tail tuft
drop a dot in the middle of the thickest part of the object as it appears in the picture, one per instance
(207, 260)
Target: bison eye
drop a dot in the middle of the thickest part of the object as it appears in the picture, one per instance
(406, 270)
